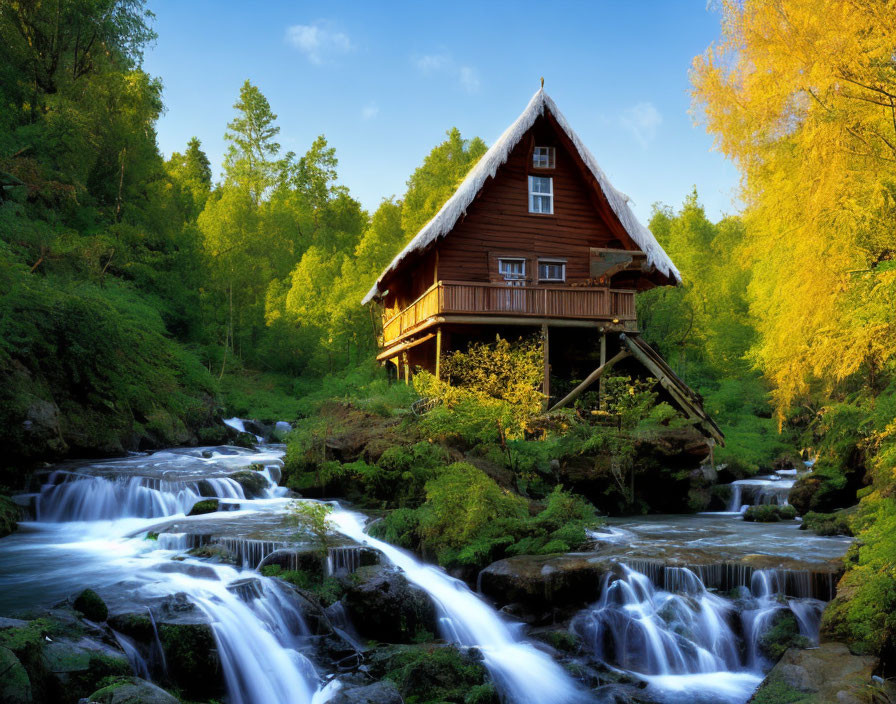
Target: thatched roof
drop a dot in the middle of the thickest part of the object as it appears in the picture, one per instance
(456, 206)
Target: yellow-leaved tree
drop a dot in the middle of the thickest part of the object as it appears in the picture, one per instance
(801, 94)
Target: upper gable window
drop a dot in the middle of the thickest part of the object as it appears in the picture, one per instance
(541, 194)
(543, 158)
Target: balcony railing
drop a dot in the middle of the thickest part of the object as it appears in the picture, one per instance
(469, 298)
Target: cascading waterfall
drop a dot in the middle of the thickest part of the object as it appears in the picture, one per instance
(525, 675)
(752, 492)
(681, 638)
(259, 632)
(70, 497)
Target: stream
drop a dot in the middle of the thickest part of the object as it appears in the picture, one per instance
(682, 612)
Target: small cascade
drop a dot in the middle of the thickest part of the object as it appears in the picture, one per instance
(727, 576)
(524, 674)
(343, 560)
(670, 630)
(239, 425)
(68, 496)
(759, 491)
(251, 553)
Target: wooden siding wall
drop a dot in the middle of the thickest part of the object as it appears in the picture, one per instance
(499, 220)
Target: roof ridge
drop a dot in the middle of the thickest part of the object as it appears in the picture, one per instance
(487, 167)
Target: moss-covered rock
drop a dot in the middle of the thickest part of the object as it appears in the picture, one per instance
(829, 673)
(836, 523)
(15, 685)
(9, 516)
(556, 581)
(770, 513)
(783, 634)
(254, 483)
(192, 657)
(131, 690)
(204, 506)
(91, 605)
(384, 606)
(431, 674)
(383, 692)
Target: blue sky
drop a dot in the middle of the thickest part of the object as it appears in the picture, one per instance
(383, 81)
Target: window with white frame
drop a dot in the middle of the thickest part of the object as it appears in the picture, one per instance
(543, 158)
(541, 194)
(513, 269)
(552, 270)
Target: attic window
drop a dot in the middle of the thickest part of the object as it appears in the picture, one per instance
(543, 158)
(541, 194)
(552, 270)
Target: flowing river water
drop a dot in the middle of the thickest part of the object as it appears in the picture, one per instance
(120, 527)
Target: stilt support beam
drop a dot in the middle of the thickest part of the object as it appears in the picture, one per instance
(546, 354)
(591, 378)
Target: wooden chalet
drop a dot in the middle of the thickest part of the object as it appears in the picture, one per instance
(534, 238)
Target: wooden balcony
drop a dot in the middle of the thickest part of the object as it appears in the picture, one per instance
(461, 298)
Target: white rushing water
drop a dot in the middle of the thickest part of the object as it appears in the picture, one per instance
(524, 674)
(685, 642)
(92, 531)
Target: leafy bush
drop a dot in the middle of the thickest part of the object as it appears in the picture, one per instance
(312, 518)
(490, 393)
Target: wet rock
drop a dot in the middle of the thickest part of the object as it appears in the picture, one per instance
(192, 657)
(9, 516)
(131, 690)
(204, 506)
(783, 633)
(15, 685)
(91, 605)
(254, 483)
(829, 673)
(558, 580)
(79, 666)
(188, 568)
(434, 673)
(384, 606)
(384, 692)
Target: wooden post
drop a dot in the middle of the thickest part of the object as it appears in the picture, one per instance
(546, 354)
(439, 352)
(603, 360)
(592, 377)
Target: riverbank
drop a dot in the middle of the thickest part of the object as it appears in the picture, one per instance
(172, 583)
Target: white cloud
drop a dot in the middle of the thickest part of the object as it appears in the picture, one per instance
(432, 62)
(642, 121)
(318, 41)
(370, 111)
(467, 77)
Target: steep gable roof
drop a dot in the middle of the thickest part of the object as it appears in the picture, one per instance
(456, 206)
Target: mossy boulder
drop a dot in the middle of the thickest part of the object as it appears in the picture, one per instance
(383, 692)
(544, 580)
(15, 685)
(91, 605)
(836, 523)
(204, 506)
(770, 513)
(783, 634)
(254, 483)
(192, 656)
(430, 674)
(131, 690)
(829, 673)
(9, 516)
(384, 606)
